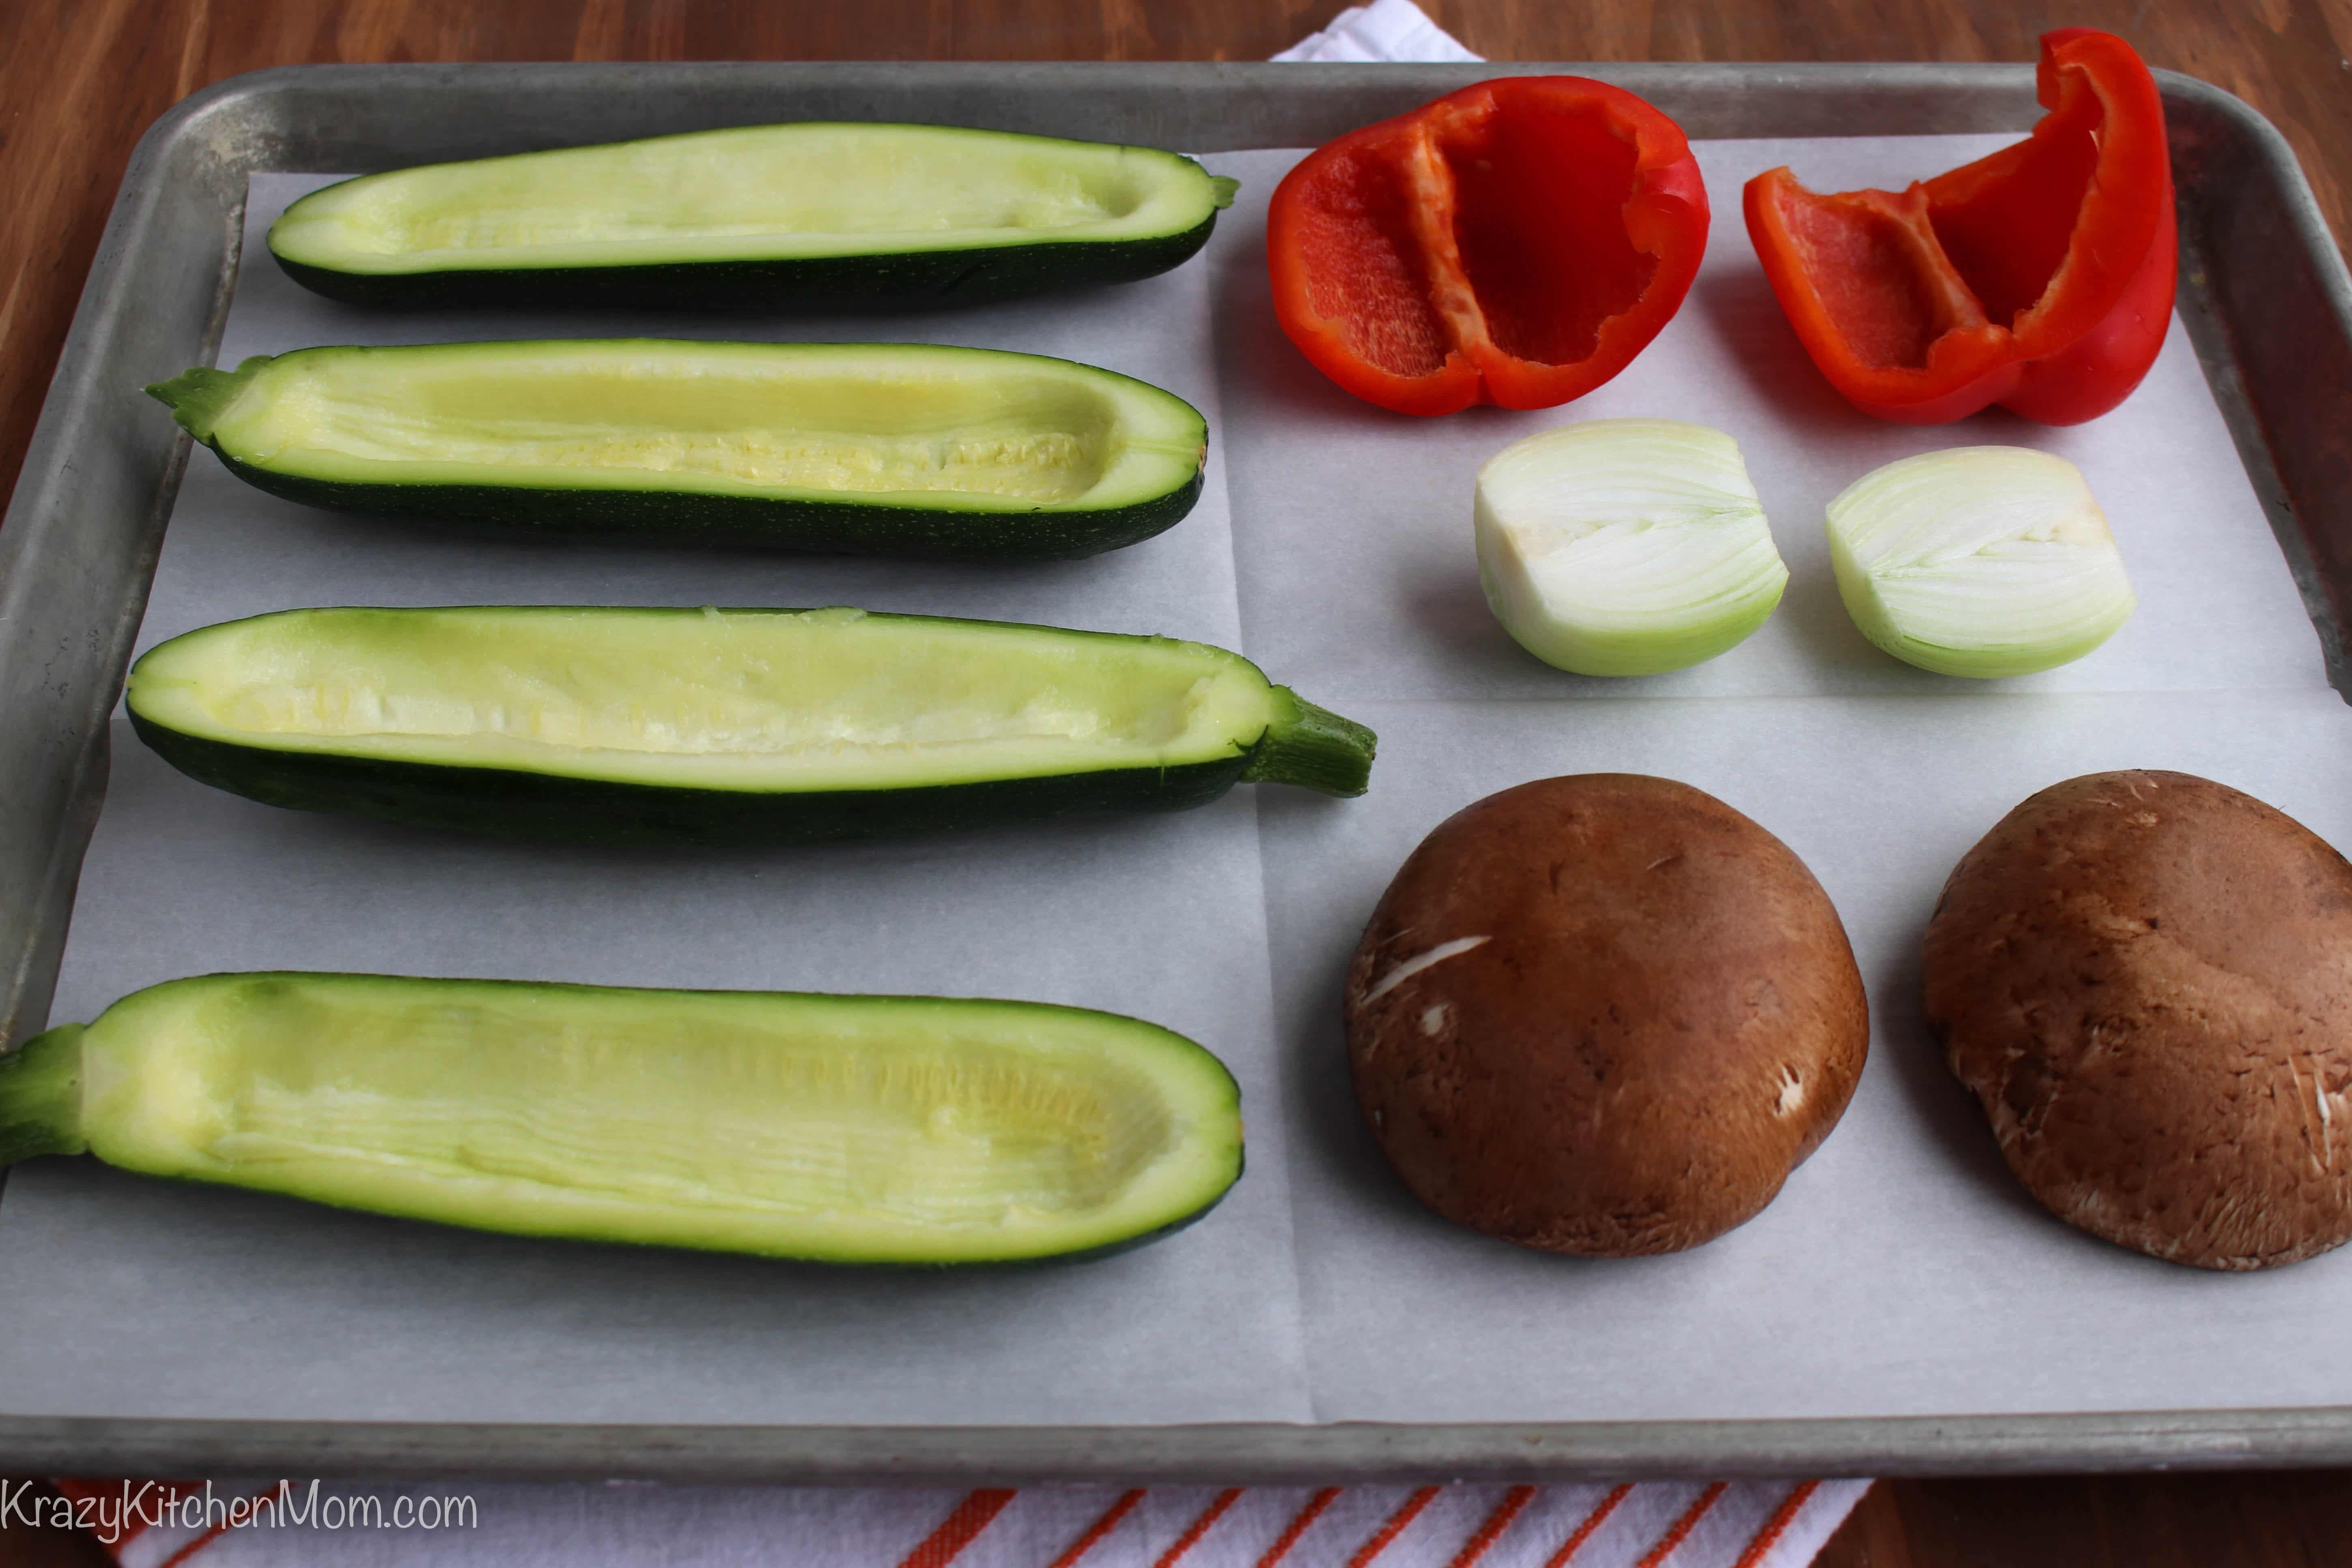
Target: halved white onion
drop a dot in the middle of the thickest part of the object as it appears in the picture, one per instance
(1980, 561)
(1625, 546)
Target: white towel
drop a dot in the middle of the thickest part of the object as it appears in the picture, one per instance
(1383, 30)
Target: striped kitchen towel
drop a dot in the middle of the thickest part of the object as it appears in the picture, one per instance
(459, 1524)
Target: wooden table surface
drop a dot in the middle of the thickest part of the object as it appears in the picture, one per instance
(79, 79)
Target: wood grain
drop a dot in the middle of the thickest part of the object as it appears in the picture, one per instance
(80, 79)
(2263, 1519)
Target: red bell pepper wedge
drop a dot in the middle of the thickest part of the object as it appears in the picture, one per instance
(2039, 278)
(1517, 242)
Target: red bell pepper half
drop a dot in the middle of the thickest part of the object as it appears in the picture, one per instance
(2039, 278)
(1517, 242)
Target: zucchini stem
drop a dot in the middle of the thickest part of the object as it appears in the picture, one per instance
(1311, 747)
(40, 1096)
(198, 398)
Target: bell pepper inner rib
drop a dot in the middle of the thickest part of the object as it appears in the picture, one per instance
(1435, 213)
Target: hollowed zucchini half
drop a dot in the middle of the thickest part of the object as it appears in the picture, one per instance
(863, 449)
(805, 216)
(910, 1129)
(661, 726)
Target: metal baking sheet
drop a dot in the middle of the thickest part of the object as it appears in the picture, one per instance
(76, 572)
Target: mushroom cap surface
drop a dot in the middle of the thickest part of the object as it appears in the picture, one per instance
(2146, 980)
(1603, 1014)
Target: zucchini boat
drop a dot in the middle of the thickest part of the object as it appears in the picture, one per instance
(863, 449)
(806, 216)
(657, 726)
(842, 1129)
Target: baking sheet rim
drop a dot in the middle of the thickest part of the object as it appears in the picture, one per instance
(2044, 1441)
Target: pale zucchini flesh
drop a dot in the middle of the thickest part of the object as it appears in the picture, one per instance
(781, 216)
(882, 449)
(851, 1129)
(654, 725)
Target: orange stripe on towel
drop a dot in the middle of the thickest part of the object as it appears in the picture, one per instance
(1100, 1528)
(1592, 1521)
(1404, 1515)
(1492, 1530)
(1683, 1527)
(1199, 1527)
(955, 1533)
(1783, 1517)
(1298, 1527)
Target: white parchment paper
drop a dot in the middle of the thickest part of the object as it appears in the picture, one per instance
(1902, 1272)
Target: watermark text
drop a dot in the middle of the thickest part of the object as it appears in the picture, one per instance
(152, 1505)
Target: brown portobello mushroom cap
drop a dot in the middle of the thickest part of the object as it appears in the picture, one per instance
(1604, 1014)
(2146, 978)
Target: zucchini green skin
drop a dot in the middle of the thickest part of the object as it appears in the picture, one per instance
(564, 795)
(1150, 446)
(686, 519)
(554, 809)
(917, 282)
(779, 1124)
